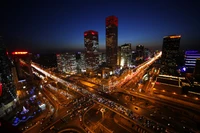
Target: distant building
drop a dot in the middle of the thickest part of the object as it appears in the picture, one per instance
(170, 53)
(111, 40)
(197, 70)
(133, 54)
(81, 65)
(147, 54)
(102, 58)
(23, 70)
(91, 42)
(8, 95)
(139, 53)
(125, 55)
(67, 63)
(45, 60)
(190, 59)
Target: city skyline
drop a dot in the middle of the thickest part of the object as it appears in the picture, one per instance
(43, 26)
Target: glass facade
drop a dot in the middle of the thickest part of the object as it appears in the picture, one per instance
(67, 63)
(111, 40)
(125, 55)
(91, 42)
(170, 53)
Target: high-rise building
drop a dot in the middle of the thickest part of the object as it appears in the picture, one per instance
(67, 63)
(139, 53)
(111, 40)
(125, 55)
(23, 70)
(47, 60)
(197, 70)
(147, 54)
(91, 42)
(170, 52)
(7, 87)
(81, 65)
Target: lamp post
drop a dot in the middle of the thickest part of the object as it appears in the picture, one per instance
(102, 112)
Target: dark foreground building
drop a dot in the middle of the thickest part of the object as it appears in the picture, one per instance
(8, 95)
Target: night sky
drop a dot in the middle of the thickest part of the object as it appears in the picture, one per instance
(58, 25)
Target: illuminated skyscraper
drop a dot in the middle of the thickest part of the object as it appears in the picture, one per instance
(91, 42)
(67, 63)
(111, 40)
(125, 55)
(170, 52)
(7, 87)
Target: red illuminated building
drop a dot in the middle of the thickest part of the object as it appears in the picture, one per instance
(91, 42)
(111, 40)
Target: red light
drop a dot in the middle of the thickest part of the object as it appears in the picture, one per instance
(7, 53)
(0, 89)
(19, 52)
(92, 33)
(85, 34)
(112, 20)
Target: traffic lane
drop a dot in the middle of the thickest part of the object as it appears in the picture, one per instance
(150, 114)
(170, 113)
(145, 112)
(115, 127)
(94, 115)
(167, 104)
(63, 114)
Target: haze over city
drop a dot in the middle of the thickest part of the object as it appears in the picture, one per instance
(39, 26)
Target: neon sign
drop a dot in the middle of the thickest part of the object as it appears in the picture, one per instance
(19, 53)
(175, 36)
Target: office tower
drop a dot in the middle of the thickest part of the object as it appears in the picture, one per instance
(91, 42)
(133, 54)
(111, 40)
(147, 54)
(47, 60)
(7, 87)
(170, 52)
(139, 53)
(66, 63)
(23, 70)
(80, 59)
(197, 70)
(125, 55)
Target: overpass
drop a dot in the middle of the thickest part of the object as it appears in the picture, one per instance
(124, 112)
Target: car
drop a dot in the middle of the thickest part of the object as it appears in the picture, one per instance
(151, 114)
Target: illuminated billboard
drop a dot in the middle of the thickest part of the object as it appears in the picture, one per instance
(19, 52)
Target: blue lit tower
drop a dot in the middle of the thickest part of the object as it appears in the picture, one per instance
(7, 86)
